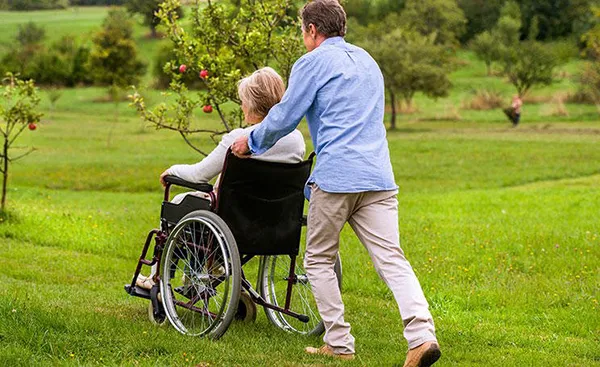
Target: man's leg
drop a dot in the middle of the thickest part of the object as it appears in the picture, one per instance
(376, 225)
(327, 215)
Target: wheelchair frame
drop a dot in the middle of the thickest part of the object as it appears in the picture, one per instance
(157, 310)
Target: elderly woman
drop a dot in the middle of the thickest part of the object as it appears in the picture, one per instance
(258, 93)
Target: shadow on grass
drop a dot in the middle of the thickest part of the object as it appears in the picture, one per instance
(8, 217)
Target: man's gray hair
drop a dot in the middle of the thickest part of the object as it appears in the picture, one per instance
(328, 17)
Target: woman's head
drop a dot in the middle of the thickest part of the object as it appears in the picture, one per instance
(259, 92)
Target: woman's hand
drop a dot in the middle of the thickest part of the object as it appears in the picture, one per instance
(240, 147)
(162, 178)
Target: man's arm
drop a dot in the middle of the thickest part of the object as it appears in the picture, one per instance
(284, 117)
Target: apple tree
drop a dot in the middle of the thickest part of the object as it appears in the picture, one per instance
(223, 44)
(18, 113)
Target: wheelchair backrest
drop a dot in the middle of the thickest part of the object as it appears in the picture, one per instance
(262, 203)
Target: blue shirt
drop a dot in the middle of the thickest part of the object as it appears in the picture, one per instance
(340, 90)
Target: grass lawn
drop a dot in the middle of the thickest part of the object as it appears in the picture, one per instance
(501, 225)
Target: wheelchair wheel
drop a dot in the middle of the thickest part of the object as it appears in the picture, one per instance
(273, 283)
(200, 275)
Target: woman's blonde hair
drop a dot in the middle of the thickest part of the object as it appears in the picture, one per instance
(261, 91)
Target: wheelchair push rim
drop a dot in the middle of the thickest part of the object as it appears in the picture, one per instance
(200, 275)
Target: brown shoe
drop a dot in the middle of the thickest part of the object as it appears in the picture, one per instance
(326, 350)
(424, 355)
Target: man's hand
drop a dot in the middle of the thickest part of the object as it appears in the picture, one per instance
(240, 147)
(162, 178)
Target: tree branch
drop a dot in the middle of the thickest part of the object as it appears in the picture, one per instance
(31, 150)
(191, 145)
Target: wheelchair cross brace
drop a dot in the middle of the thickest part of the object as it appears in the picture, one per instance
(259, 300)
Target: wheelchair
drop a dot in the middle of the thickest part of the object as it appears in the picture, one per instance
(202, 246)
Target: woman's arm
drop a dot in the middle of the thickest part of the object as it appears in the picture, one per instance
(210, 166)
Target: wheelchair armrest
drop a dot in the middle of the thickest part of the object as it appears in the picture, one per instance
(174, 180)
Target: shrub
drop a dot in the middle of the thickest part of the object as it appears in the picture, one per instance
(557, 108)
(30, 34)
(37, 4)
(113, 61)
(64, 63)
(97, 2)
(580, 97)
(484, 100)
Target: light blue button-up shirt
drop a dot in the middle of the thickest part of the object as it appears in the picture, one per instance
(340, 90)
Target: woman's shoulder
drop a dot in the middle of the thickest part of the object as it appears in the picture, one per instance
(231, 136)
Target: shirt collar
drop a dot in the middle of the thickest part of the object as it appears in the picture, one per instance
(333, 41)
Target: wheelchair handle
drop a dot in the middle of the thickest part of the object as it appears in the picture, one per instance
(174, 180)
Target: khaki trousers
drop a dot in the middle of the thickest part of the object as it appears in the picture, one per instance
(374, 218)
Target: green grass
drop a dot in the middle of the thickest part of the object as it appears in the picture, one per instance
(501, 225)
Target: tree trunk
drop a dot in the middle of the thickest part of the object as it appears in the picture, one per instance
(394, 112)
(153, 32)
(488, 65)
(4, 174)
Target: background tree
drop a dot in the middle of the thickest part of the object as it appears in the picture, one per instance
(224, 44)
(442, 18)
(366, 12)
(484, 45)
(18, 112)
(590, 77)
(410, 62)
(531, 63)
(501, 42)
(556, 18)
(148, 9)
(30, 34)
(481, 16)
(113, 59)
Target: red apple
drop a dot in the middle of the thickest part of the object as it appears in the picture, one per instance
(182, 68)
(207, 109)
(32, 126)
(204, 74)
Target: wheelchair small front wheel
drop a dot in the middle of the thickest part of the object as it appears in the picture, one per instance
(156, 319)
(273, 283)
(200, 275)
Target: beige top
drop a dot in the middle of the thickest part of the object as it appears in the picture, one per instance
(516, 105)
(290, 149)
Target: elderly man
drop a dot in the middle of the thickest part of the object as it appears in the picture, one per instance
(340, 90)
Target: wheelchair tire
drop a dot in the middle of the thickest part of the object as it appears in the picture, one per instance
(273, 274)
(201, 275)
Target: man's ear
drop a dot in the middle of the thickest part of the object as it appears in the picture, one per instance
(312, 30)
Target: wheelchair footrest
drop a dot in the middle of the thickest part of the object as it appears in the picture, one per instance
(137, 291)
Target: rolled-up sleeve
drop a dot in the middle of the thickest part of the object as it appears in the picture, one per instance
(284, 117)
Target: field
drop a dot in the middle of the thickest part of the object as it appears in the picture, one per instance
(502, 226)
